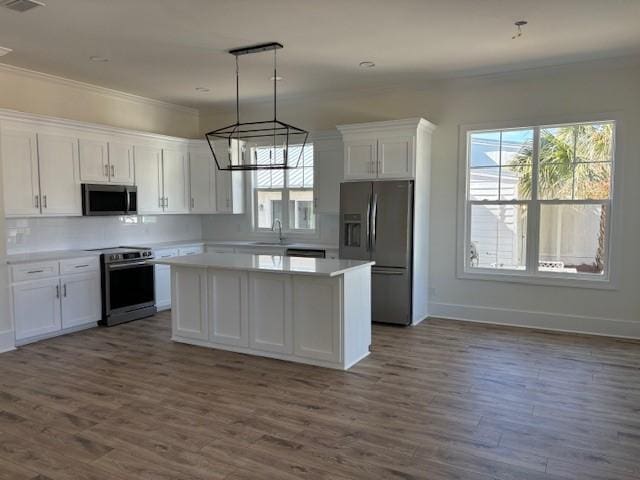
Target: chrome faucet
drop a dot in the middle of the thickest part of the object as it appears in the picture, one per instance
(273, 228)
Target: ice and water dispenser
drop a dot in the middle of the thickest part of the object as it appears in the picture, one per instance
(352, 224)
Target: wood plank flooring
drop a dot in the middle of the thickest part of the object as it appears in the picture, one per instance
(444, 400)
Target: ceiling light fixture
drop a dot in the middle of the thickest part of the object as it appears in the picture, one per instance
(367, 64)
(22, 5)
(4, 51)
(203, 89)
(230, 145)
(519, 24)
(277, 79)
(99, 59)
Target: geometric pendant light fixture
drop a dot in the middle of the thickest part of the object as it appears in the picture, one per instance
(231, 145)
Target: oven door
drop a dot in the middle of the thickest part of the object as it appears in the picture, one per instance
(129, 286)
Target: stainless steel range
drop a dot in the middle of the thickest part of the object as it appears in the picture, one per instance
(127, 284)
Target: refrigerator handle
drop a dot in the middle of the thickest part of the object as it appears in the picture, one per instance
(374, 221)
(369, 225)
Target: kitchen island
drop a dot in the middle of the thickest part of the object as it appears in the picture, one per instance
(305, 310)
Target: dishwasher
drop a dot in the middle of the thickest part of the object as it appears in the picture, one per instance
(305, 252)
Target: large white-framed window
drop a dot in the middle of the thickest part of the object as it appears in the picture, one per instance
(537, 203)
(285, 195)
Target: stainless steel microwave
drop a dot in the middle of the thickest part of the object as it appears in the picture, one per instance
(109, 199)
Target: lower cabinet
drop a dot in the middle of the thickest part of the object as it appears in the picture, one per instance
(316, 308)
(46, 306)
(80, 298)
(228, 316)
(189, 303)
(270, 316)
(36, 308)
(163, 287)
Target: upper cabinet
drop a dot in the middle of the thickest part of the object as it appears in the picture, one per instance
(40, 172)
(102, 161)
(202, 180)
(175, 180)
(382, 150)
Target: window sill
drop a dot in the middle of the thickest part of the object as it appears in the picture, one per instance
(553, 280)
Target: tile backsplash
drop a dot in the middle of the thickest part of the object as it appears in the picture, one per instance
(66, 233)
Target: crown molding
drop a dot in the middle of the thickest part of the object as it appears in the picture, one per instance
(91, 88)
(408, 123)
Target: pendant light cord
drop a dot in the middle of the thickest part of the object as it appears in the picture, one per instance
(237, 92)
(275, 83)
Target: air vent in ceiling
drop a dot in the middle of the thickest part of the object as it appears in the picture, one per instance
(21, 5)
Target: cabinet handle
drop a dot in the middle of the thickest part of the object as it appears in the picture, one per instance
(64, 290)
(37, 201)
(193, 202)
(160, 203)
(166, 200)
(81, 266)
(35, 271)
(57, 291)
(44, 201)
(113, 170)
(106, 171)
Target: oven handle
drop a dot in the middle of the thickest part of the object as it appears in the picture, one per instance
(128, 265)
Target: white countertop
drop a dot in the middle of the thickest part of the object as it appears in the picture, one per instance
(47, 256)
(267, 263)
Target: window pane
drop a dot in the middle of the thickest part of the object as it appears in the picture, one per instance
(485, 149)
(516, 147)
(498, 236)
(515, 182)
(592, 181)
(484, 183)
(555, 181)
(557, 145)
(269, 206)
(302, 176)
(572, 238)
(301, 212)
(594, 142)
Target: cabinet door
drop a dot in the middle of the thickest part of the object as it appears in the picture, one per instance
(329, 171)
(121, 163)
(36, 308)
(316, 313)
(163, 287)
(396, 157)
(20, 172)
(202, 182)
(228, 320)
(59, 175)
(81, 303)
(189, 303)
(175, 177)
(223, 192)
(270, 324)
(148, 174)
(94, 161)
(360, 159)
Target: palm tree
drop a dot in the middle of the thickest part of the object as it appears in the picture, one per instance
(574, 163)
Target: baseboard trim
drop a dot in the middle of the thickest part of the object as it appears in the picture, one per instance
(559, 322)
(7, 341)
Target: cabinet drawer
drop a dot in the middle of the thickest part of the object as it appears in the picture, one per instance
(78, 265)
(166, 253)
(32, 271)
(191, 251)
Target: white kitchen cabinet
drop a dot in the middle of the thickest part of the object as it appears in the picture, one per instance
(396, 156)
(229, 189)
(202, 181)
(190, 304)
(360, 157)
(175, 178)
(163, 279)
(271, 327)
(80, 299)
(383, 150)
(36, 308)
(94, 160)
(18, 149)
(228, 318)
(329, 172)
(121, 169)
(59, 175)
(317, 331)
(148, 174)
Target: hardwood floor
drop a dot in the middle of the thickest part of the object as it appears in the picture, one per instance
(444, 400)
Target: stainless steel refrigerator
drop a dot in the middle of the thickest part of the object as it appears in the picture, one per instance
(376, 223)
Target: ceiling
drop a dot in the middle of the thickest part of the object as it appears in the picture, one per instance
(164, 49)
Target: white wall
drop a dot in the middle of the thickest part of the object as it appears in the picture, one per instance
(543, 94)
(6, 326)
